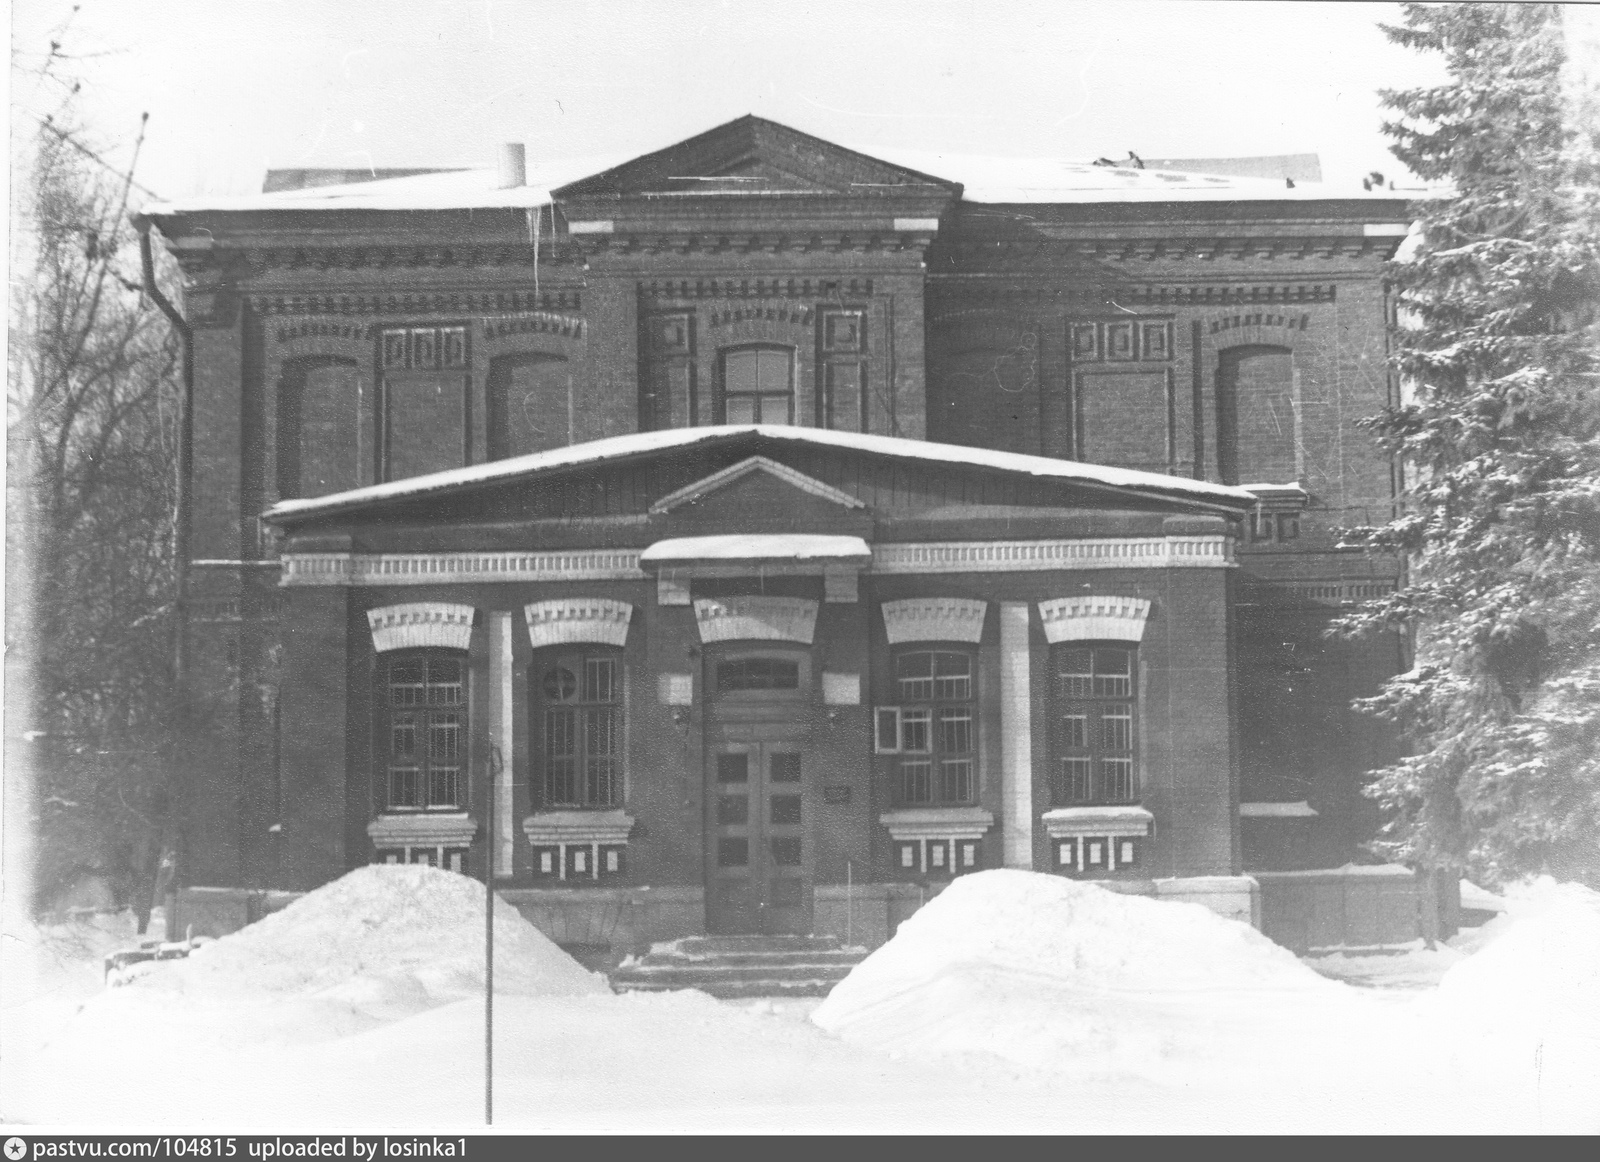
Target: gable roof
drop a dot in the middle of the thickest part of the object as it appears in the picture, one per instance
(1147, 485)
(751, 156)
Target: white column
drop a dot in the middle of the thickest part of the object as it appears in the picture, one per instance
(501, 719)
(1016, 736)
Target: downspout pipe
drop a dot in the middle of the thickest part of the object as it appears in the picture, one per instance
(184, 490)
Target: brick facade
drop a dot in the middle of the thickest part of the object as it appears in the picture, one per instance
(1223, 341)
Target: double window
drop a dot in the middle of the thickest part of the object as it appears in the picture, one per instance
(933, 730)
(426, 716)
(1094, 725)
(758, 386)
(579, 720)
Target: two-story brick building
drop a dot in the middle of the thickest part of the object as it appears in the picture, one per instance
(765, 530)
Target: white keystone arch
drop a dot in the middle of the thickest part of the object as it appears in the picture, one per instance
(932, 619)
(420, 623)
(783, 619)
(1101, 618)
(578, 619)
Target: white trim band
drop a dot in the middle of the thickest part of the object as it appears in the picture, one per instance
(324, 569)
(420, 624)
(1203, 552)
(577, 619)
(354, 569)
(1073, 619)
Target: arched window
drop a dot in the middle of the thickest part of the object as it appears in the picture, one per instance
(1094, 729)
(934, 728)
(319, 405)
(758, 385)
(425, 743)
(577, 695)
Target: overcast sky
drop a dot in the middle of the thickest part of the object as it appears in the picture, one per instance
(233, 88)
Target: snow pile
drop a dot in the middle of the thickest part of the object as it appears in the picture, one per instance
(402, 929)
(380, 944)
(1052, 974)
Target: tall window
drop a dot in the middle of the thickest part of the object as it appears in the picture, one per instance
(1094, 725)
(426, 719)
(758, 386)
(580, 696)
(933, 730)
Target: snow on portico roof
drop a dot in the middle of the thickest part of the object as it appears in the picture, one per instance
(1149, 484)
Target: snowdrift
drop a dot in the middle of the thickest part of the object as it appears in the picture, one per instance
(1052, 974)
(1524, 1009)
(380, 944)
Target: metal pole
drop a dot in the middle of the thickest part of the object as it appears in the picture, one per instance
(488, 939)
(849, 903)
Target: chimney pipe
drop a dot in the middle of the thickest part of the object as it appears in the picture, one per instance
(513, 165)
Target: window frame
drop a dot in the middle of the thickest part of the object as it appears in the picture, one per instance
(908, 713)
(735, 654)
(1092, 747)
(385, 768)
(545, 661)
(790, 394)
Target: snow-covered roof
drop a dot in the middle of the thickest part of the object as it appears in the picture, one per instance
(641, 443)
(988, 178)
(758, 547)
(1299, 810)
(467, 189)
(985, 179)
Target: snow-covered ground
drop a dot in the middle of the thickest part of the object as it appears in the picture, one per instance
(1012, 1002)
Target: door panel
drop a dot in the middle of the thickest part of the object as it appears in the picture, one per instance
(759, 879)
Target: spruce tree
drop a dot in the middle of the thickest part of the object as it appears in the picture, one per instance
(1498, 429)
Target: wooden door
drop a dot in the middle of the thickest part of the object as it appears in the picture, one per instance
(759, 879)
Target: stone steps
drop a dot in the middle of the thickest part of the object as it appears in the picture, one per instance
(740, 966)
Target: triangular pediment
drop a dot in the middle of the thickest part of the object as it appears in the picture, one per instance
(753, 155)
(755, 469)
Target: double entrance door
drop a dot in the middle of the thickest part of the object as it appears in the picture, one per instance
(758, 857)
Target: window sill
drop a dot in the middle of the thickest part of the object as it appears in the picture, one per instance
(423, 829)
(1068, 822)
(908, 823)
(577, 825)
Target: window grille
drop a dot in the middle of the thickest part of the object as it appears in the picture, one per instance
(1094, 731)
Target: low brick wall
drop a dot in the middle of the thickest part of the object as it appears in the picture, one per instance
(624, 919)
(1348, 907)
(1234, 897)
(866, 914)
